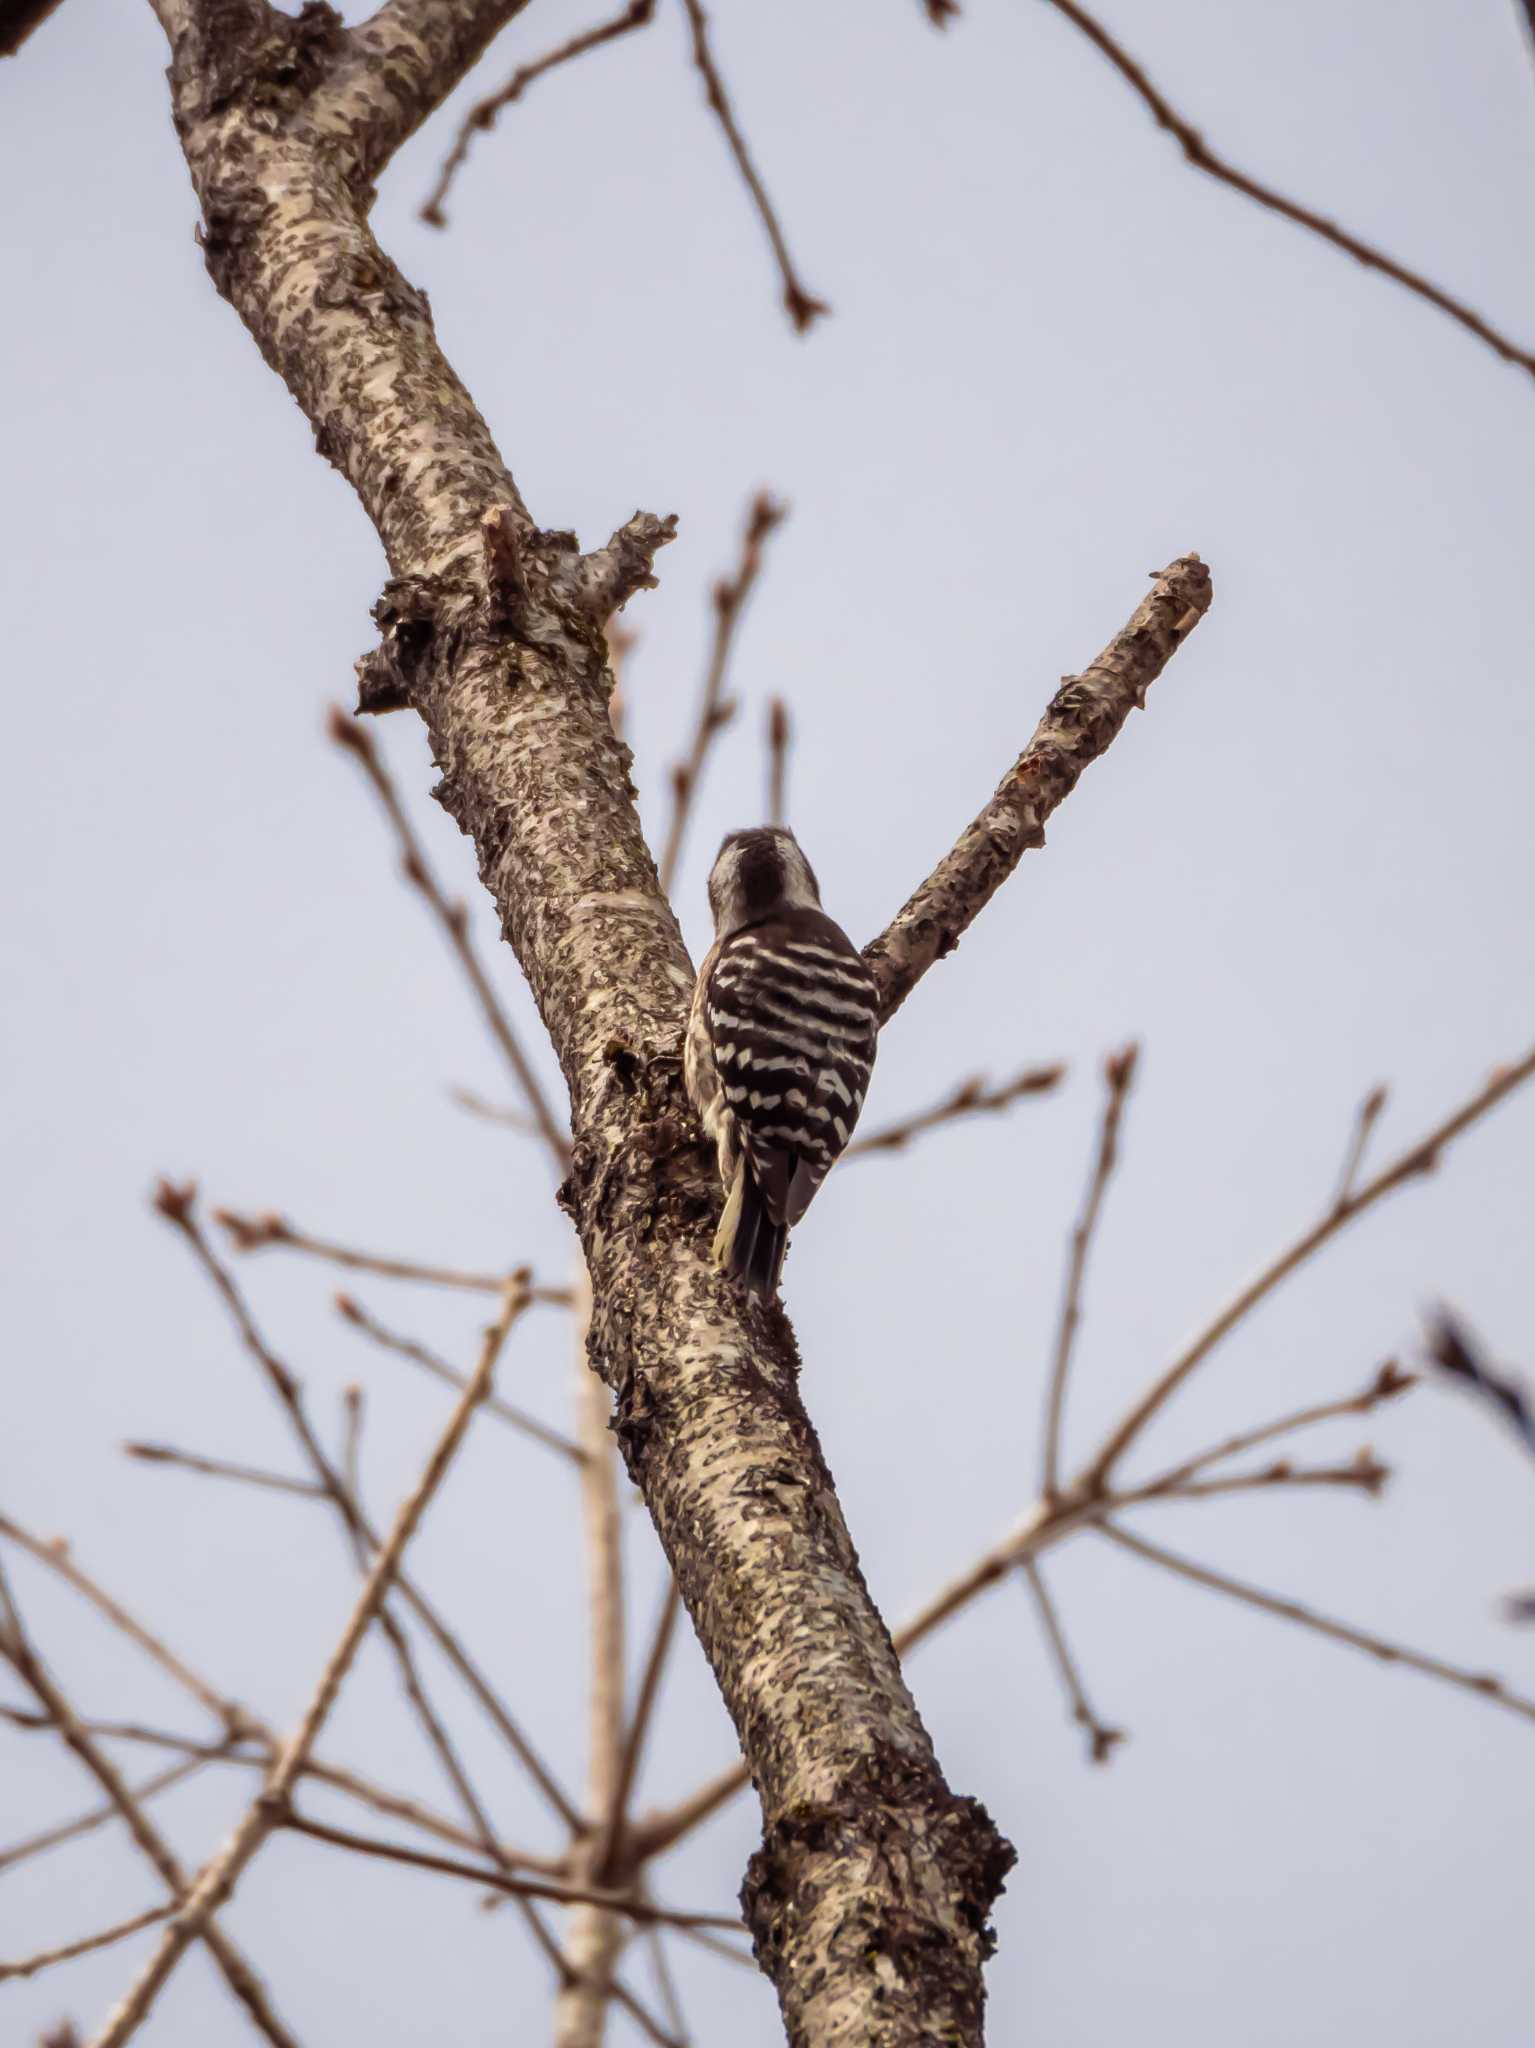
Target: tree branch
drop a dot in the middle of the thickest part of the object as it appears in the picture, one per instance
(1417, 1159)
(802, 308)
(1118, 1074)
(715, 711)
(482, 116)
(83, 1947)
(1100, 1737)
(970, 1098)
(1480, 1682)
(1081, 721)
(406, 1347)
(1203, 158)
(254, 1233)
(237, 1973)
(217, 1880)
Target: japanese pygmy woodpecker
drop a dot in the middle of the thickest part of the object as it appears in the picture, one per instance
(779, 1049)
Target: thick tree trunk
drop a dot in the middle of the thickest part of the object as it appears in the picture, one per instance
(870, 1893)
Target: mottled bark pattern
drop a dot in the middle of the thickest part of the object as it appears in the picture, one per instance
(1081, 720)
(870, 1894)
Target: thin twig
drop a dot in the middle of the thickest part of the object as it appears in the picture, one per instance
(671, 2004)
(639, 1725)
(802, 308)
(970, 1098)
(1363, 1473)
(1365, 1120)
(778, 736)
(1203, 158)
(83, 1947)
(254, 1233)
(221, 1468)
(1387, 1384)
(454, 919)
(483, 114)
(492, 1112)
(1100, 1737)
(627, 1903)
(242, 1980)
(715, 711)
(1418, 1159)
(351, 1439)
(1118, 1075)
(407, 1347)
(1480, 1682)
(593, 1936)
(86, 1823)
(176, 1204)
(1451, 1347)
(218, 1878)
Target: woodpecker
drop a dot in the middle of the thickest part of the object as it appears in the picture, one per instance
(780, 1045)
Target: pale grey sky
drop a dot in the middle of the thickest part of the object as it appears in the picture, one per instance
(1058, 358)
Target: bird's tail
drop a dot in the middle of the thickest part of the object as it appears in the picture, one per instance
(749, 1244)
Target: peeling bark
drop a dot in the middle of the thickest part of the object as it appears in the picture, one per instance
(870, 1893)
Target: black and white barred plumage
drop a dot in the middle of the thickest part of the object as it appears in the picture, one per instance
(780, 1045)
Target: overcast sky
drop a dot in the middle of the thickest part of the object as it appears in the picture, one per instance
(1058, 358)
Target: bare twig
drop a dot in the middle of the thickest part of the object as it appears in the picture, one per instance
(176, 1204)
(1452, 1349)
(1480, 1682)
(1364, 1123)
(357, 741)
(1203, 158)
(218, 1878)
(1364, 1472)
(86, 1823)
(1417, 1159)
(629, 1904)
(351, 1439)
(639, 1727)
(492, 1112)
(970, 1098)
(483, 114)
(407, 1347)
(1387, 1384)
(1118, 1075)
(671, 2004)
(714, 710)
(1100, 1737)
(1081, 721)
(254, 1233)
(802, 308)
(593, 1935)
(242, 1980)
(83, 1947)
(778, 736)
(221, 1468)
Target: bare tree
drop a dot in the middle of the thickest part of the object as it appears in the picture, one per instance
(868, 1899)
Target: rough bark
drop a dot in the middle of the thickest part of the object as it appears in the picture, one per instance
(869, 1896)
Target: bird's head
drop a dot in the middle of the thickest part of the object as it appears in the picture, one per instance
(756, 875)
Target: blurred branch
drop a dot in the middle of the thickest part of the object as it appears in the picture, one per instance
(351, 1439)
(1118, 1075)
(625, 1903)
(639, 1727)
(254, 1233)
(349, 734)
(482, 116)
(801, 307)
(1387, 1384)
(1081, 721)
(714, 710)
(1100, 1737)
(87, 1823)
(1451, 1347)
(1417, 1159)
(1480, 1682)
(217, 1880)
(407, 1347)
(1364, 1123)
(237, 1973)
(970, 1098)
(778, 736)
(220, 1468)
(176, 1204)
(594, 1935)
(492, 1112)
(83, 1947)
(1203, 158)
